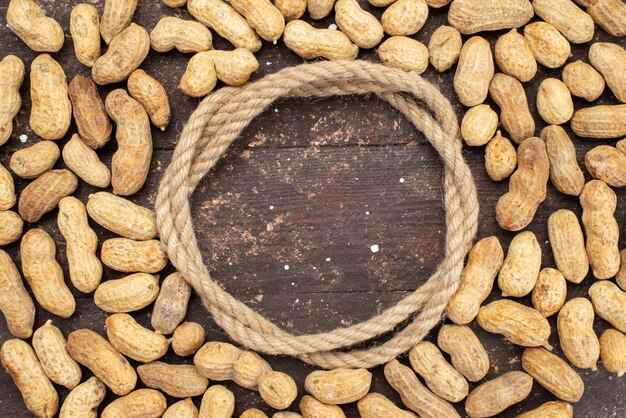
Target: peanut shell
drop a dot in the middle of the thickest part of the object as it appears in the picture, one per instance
(127, 294)
(553, 373)
(179, 381)
(217, 402)
(609, 302)
(444, 47)
(31, 162)
(51, 110)
(92, 122)
(568, 245)
(15, 302)
(514, 57)
(29, 22)
(144, 403)
(565, 174)
(500, 158)
(466, 351)
(496, 395)
(440, 377)
(185, 35)
(613, 351)
(549, 47)
(472, 16)
(11, 78)
(576, 25)
(188, 338)
(152, 96)
(84, 400)
(582, 80)
(51, 349)
(576, 335)
(127, 50)
(550, 292)
(521, 266)
(85, 30)
(117, 16)
(133, 340)
(84, 161)
(474, 72)
(170, 307)
(404, 53)
(608, 164)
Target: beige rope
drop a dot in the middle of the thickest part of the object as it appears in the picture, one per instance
(219, 120)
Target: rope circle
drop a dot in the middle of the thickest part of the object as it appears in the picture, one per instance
(219, 120)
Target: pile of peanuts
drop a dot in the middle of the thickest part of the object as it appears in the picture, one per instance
(52, 357)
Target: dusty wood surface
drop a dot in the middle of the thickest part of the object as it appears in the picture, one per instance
(287, 220)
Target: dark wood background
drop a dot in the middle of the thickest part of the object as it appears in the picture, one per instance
(312, 185)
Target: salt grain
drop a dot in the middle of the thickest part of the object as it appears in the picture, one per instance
(23, 138)
(374, 248)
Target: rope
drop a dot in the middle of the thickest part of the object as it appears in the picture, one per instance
(218, 121)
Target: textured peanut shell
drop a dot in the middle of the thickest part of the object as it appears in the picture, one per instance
(43, 194)
(11, 225)
(609, 302)
(117, 16)
(338, 386)
(51, 110)
(404, 53)
(85, 30)
(466, 352)
(620, 278)
(576, 25)
(319, 9)
(130, 256)
(15, 302)
(312, 408)
(552, 409)
(565, 174)
(613, 351)
(248, 370)
(568, 245)
(509, 95)
(606, 121)
(518, 323)
(474, 71)
(127, 294)
(185, 35)
(473, 16)
(521, 266)
(125, 54)
(152, 96)
(29, 22)
(549, 47)
(527, 188)
(133, 340)
(291, 9)
(576, 335)
(553, 373)
(479, 124)
(131, 161)
(51, 349)
(440, 377)
(83, 401)
(170, 307)
(483, 263)
(263, 17)
(21, 363)
(295, 414)
(582, 80)
(217, 402)
(33, 161)
(496, 395)
(182, 409)
(179, 381)
(415, 395)
(122, 216)
(608, 164)
(550, 292)
(500, 158)
(92, 122)
(514, 57)
(404, 17)
(84, 162)
(144, 403)
(224, 19)
(215, 360)
(362, 27)
(44, 274)
(188, 338)
(610, 60)
(253, 413)
(309, 42)
(11, 78)
(444, 47)
(554, 102)
(375, 405)
(7, 189)
(278, 389)
(610, 15)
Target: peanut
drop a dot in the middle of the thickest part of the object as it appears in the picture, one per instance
(521, 266)
(496, 395)
(553, 409)
(527, 188)
(565, 174)
(483, 263)
(84, 400)
(21, 363)
(131, 161)
(550, 292)
(312, 408)
(519, 324)
(130, 256)
(309, 42)
(553, 374)
(122, 216)
(608, 164)
(179, 381)
(217, 402)
(415, 395)
(30, 23)
(248, 370)
(568, 245)
(188, 338)
(620, 278)
(84, 161)
(263, 17)
(51, 111)
(576, 335)
(223, 19)
(7, 189)
(15, 302)
(610, 60)
(253, 413)
(117, 16)
(472, 16)
(133, 340)
(185, 35)
(291, 9)
(215, 360)
(278, 389)
(43, 194)
(319, 9)
(479, 124)
(125, 54)
(51, 349)
(474, 72)
(404, 17)
(338, 386)
(609, 302)
(500, 158)
(362, 27)
(152, 96)
(576, 25)
(554, 102)
(44, 274)
(94, 126)
(549, 47)
(182, 409)
(444, 47)
(33, 161)
(613, 351)
(85, 30)
(621, 145)
(11, 78)
(440, 377)
(514, 57)
(610, 15)
(404, 53)
(509, 95)
(375, 405)
(141, 403)
(11, 225)
(599, 203)
(582, 80)
(466, 352)
(608, 121)
(127, 294)
(205, 68)
(170, 307)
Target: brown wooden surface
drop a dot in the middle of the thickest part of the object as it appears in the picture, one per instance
(312, 184)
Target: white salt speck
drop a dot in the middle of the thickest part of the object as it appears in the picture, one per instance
(327, 258)
(401, 180)
(268, 63)
(230, 264)
(286, 267)
(275, 110)
(374, 248)
(23, 137)
(293, 284)
(271, 207)
(288, 159)
(332, 26)
(367, 213)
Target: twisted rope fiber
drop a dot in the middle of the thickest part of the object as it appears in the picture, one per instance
(219, 120)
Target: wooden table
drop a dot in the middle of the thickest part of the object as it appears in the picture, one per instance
(288, 220)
